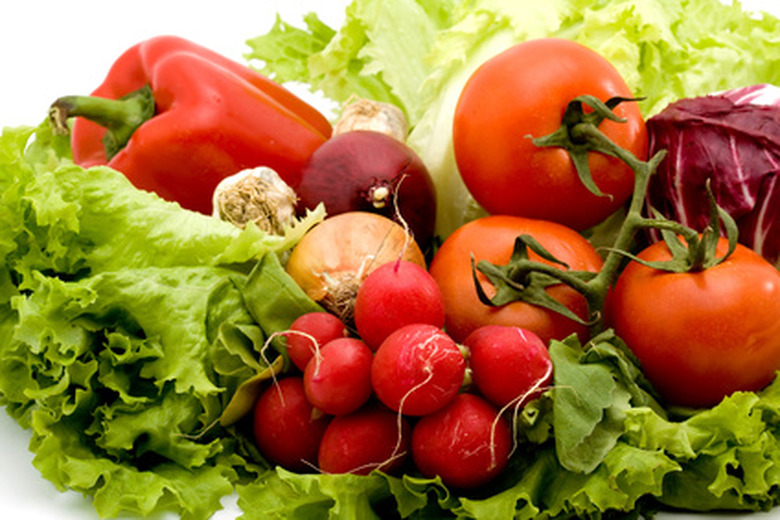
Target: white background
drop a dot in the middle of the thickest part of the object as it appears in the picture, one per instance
(54, 48)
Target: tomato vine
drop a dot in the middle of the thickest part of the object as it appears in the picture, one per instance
(523, 279)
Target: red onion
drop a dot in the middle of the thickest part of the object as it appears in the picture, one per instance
(370, 171)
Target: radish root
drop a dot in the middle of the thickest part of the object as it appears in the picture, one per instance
(408, 235)
(516, 404)
(267, 344)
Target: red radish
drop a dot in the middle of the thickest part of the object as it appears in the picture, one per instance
(365, 170)
(395, 294)
(508, 364)
(321, 327)
(287, 428)
(417, 370)
(467, 443)
(372, 438)
(337, 380)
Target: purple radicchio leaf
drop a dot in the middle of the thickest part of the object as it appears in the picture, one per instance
(732, 137)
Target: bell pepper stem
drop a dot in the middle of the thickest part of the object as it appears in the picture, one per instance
(121, 117)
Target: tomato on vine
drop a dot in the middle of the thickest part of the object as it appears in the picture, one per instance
(702, 334)
(700, 312)
(522, 94)
(492, 239)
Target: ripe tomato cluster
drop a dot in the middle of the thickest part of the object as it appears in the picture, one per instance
(518, 140)
(400, 393)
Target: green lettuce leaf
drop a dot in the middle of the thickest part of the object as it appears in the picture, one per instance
(282, 494)
(114, 307)
(728, 454)
(273, 300)
(419, 54)
(377, 54)
(594, 390)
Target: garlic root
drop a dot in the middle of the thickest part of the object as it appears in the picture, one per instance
(256, 195)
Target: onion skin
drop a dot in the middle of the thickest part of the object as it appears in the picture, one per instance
(366, 114)
(335, 256)
(364, 170)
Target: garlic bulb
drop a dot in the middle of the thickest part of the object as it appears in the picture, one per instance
(256, 195)
(364, 114)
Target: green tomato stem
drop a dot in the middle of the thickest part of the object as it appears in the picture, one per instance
(580, 138)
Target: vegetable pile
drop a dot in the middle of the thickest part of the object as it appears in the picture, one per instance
(362, 320)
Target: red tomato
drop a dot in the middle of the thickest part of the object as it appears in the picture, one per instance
(523, 93)
(492, 238)
(701, 336)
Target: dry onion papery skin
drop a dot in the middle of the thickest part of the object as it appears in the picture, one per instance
(367, 114)
(334, 257)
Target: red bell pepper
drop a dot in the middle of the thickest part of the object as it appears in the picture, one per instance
(176, 118)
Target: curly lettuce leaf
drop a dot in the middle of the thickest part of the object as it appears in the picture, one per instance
(379, 52)
(112, 303)
(282, 494)
(728, 454)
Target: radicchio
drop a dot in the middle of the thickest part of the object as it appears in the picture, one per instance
(732, 138)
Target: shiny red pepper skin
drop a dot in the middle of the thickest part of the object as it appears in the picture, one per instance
(213, 118)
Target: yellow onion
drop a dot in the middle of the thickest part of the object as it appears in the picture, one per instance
(334, 257)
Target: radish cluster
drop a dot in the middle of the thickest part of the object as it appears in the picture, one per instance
(398, 393)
